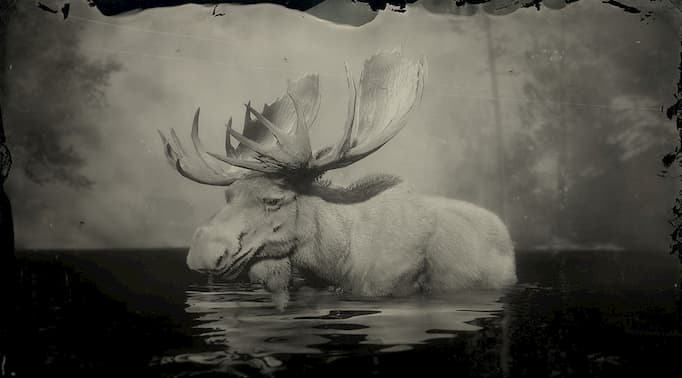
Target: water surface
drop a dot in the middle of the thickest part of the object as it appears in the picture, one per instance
(117, 312)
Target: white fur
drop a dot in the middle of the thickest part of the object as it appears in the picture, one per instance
(399, 243)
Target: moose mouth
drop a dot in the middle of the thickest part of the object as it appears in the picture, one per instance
(232, 271)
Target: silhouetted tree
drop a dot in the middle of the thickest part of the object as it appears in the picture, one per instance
(48, 85)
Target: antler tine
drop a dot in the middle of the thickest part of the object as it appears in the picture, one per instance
(206, 172)
(301, 125)
(294, 147)
(199, 146)
(276, 132)
(203, 178)
(177, 162)
(345, 143)
(171, 155)
(229, 150)
(341, 148)
(300, 139)
(248, 143)
(281, 158)
(394, 126)
(204, 155)
(259, 166)
(176, 143)
(378, 134)
(247, 114)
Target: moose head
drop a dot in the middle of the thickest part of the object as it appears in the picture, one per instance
(274, 166)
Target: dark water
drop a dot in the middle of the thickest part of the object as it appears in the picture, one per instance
(111, 313)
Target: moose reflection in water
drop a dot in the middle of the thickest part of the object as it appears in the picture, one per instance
(242, 332)
(369, 239)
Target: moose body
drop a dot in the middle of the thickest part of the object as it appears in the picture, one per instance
(399, 244)
(373, 238)
(395, 243)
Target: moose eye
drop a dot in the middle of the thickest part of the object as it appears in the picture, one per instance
(271, 201)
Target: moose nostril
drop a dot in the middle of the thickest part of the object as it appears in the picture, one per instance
(276, 228)
(220, 259)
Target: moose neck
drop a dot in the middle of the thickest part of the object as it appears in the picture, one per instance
(324, 230)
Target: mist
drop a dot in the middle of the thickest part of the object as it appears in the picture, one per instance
(551, 119)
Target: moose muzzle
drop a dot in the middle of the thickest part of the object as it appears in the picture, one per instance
(211, 253)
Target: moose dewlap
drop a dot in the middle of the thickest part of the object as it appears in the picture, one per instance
(370, 238)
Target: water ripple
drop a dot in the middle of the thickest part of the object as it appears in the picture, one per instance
(240, 320)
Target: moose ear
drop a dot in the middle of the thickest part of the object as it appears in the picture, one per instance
(359, 191)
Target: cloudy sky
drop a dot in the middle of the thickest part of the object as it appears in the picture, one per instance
(99, 179)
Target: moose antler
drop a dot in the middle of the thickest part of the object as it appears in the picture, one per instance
(390, 88)
(278, 141)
